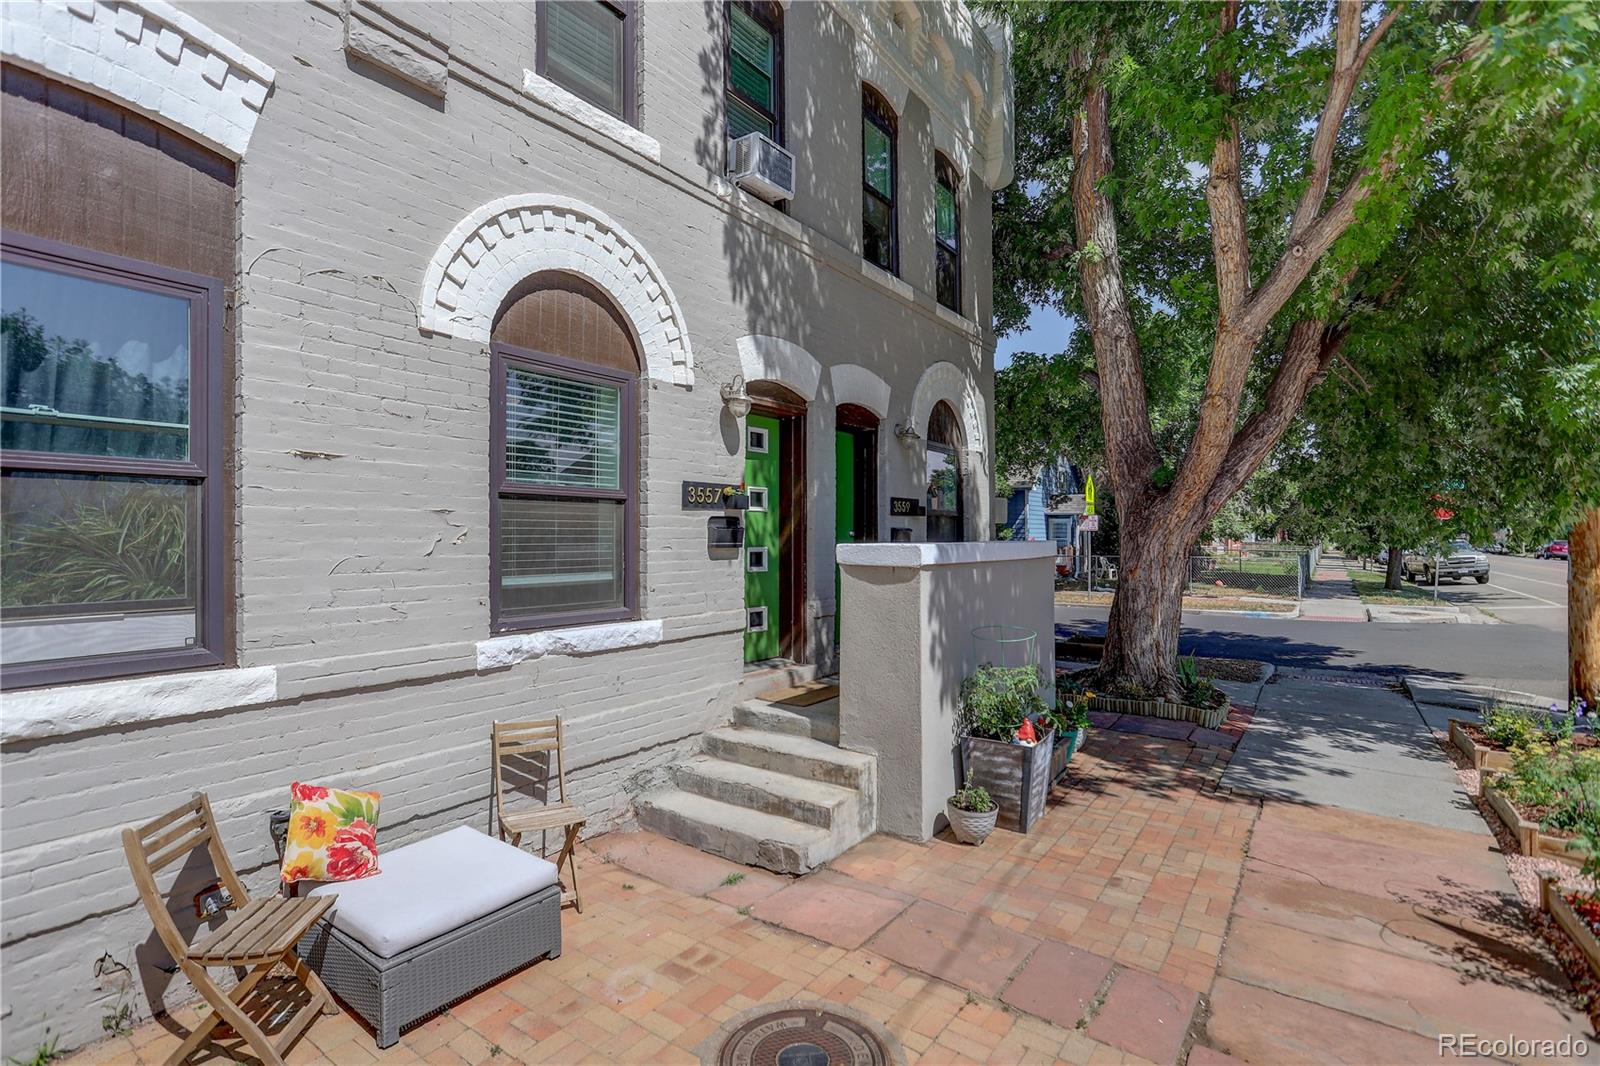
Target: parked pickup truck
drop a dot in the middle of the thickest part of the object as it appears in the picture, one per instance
(1459, 562)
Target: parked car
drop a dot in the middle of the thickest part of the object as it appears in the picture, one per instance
(1461, 560)
(1556, 549)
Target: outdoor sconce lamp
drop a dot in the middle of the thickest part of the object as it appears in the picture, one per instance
(907, 434)
(734, 398)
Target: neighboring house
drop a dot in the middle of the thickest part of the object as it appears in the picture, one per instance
(357, 358)
(1035, 508)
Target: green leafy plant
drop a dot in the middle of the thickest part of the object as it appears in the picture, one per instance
(733, 879)
(995, 700)
(132, 545)
(1555, 783)
(972, 798)
(1512, 727)
(1197, 691)
(48, 1051)
(1072, 707)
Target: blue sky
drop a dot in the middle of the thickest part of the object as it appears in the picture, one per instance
(1046, 332)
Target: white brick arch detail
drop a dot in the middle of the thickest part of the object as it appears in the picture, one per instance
(148, 56)
(944, 381)
(860, 386)
(764, 358)
(514, 237)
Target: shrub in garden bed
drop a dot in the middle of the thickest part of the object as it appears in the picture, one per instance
(1557, 786)
(1507, 727)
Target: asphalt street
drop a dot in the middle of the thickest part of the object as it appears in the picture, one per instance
(1526, 653)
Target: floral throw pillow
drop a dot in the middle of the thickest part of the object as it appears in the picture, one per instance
(333, 834)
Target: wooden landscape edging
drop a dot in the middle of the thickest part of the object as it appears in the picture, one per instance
(1531, 840)
(1210, 717)
(1481, 758)
(1555, 902)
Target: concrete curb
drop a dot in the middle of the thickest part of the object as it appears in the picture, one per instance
(1438, 692)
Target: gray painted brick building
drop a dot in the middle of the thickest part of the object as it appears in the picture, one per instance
(392, 238)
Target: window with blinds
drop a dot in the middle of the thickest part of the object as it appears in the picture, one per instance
(564, 495)
(586, 47)
(754, 84)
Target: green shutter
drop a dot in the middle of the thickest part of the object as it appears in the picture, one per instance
(878, 158)
(944, 214)
(753, 59)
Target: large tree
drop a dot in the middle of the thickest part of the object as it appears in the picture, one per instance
(1213, 192)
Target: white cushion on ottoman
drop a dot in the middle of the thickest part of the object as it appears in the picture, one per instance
(433, 886)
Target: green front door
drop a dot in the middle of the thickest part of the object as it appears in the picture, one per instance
(761, 530)
(844, 512)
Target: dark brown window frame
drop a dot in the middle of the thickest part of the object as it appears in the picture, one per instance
(204, 465)
(770, 17)
(876, 110)
(954, 448)
(504, 357)
(628, 11)
(944, 173)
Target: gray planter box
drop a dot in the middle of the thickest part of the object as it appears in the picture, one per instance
(1017, 778)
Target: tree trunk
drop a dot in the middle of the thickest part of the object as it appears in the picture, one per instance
(1391, 578)
(1141, 649)
(1583, 608)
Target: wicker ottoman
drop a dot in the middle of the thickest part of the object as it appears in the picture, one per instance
(446, 917)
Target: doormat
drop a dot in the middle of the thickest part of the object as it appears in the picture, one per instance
(812, 692)
(796, 1034)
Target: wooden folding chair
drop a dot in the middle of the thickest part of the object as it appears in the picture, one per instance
(260, 936)
(517, 740)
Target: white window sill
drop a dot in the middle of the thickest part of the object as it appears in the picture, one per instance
(497, 653)
(584, 113)
(959, 321)
(881, 277)
(47, 712)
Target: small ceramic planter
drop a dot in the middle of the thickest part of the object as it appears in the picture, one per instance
(970, 827)
(1061, 754)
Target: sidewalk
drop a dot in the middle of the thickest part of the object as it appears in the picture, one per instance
(1329, 597)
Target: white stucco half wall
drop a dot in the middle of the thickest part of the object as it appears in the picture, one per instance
(858, 385)
(945, 381)
(509, 239)
(763, 358)
(149, 56)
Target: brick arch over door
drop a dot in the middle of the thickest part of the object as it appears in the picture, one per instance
(497, 246)
(944, 381)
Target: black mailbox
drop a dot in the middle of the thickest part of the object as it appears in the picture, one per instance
(724, 532)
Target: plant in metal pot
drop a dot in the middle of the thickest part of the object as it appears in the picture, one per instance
(972, 813)
(995, 700)
(995, 703)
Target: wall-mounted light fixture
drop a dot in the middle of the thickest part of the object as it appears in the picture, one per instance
(734, 398)
(906, 433)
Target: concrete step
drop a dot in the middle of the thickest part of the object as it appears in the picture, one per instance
(799, 798)
(800, 756)
(754, 838)
(819, 721)
(774, 673)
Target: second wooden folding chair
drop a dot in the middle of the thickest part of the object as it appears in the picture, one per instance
(516, 746)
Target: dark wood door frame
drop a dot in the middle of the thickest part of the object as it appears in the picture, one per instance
(862, 425)
(791, 415)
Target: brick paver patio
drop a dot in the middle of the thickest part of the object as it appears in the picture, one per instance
(1116, 932)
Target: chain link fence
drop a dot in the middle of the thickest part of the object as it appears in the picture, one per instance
(1276, 571)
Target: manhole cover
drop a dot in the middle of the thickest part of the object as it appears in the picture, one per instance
(802, 1035)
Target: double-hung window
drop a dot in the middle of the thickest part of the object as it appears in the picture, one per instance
(110, 427)
(878, 224)
(947, 234)
(587, 48)
(755, 70)
(564, 491)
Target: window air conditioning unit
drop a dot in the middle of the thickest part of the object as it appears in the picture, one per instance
(762, 167)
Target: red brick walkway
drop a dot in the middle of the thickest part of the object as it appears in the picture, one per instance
(1130, 926)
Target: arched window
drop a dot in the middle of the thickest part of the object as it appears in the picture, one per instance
(564, 455)
(879, 166)
(947, 233)
(945, 443)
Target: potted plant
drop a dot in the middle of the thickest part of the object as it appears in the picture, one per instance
(1070, 722)
(1002, 749)
(972, 813)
